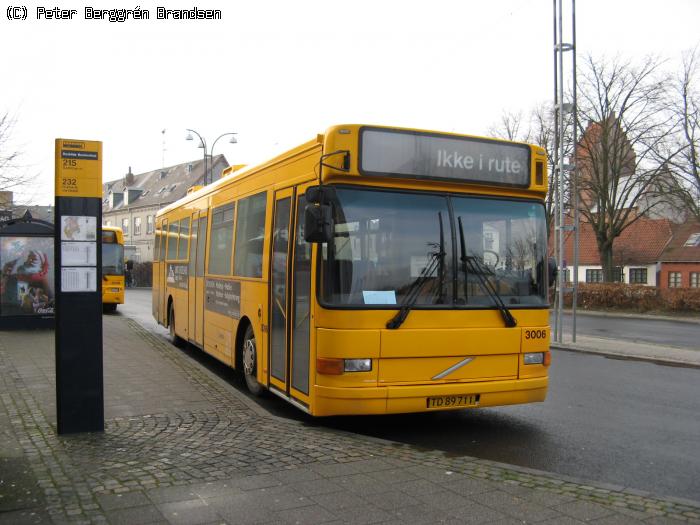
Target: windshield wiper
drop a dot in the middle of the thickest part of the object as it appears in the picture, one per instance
(472, 264)
(441, 264)
(436, 261)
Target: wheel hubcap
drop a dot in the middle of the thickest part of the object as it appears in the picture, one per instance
(249, 357)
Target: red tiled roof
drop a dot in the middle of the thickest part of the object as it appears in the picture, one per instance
(642, 242)
(676, 251)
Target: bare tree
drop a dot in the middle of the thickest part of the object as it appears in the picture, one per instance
(13, 175)
(508, 128)
(686, 108)
(536, 128)
(624, 146)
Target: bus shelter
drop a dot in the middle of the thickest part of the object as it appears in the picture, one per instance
(27, 289)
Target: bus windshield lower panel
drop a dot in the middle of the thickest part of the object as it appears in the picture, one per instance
(386, 241)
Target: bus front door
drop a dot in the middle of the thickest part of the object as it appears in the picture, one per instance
(290, 308)
(196, 289)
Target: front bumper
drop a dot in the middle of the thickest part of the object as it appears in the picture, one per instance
(334, 401)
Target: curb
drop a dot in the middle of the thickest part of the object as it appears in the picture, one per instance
(631, 315)
(625, 357)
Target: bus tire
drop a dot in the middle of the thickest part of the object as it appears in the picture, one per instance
(109, 308)
(173, 337)
(249, 358)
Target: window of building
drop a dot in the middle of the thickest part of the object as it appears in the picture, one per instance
(618, 276)
(149, 224)
(693, 240)
(221, 239)
(695, 279)
(125, 226)
(594, 276)
(638, 276)
(108, 223)
(250, 234)
(184, 243)
(137, 225)
(674, 279)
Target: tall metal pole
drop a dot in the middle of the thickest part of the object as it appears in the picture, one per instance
(204, 146)
(561, 275)
(561, 167)
(212, 152)
(555, 163)
(574, 173)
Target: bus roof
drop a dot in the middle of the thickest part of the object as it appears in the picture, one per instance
(336, 137)
(117, 230)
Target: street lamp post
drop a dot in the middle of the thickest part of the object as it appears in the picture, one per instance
(203, 144)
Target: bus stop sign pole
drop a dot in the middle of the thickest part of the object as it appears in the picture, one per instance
(78, 258)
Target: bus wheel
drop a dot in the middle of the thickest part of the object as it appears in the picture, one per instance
(109, 308)
(250, 364)
(174, 338)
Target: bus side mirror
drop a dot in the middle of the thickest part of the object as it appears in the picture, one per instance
(320, 194)
(318, 223)
(552, 270)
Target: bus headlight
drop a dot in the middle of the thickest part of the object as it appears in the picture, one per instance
(537, 358)
(358, 365)
(335, 366)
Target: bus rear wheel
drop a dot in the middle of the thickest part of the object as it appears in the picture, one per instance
(174, 338)
(249, 358)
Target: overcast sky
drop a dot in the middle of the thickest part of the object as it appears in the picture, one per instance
(279, 72)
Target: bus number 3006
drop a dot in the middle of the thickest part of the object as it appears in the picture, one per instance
(535, 334)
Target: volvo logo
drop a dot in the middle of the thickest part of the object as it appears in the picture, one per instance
(454, 367)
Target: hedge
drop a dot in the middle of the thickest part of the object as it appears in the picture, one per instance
(635, 297)
(142, 274)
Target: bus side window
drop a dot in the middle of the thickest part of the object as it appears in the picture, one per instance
(173, 230)
(193, 248)
(183, 245)
(250, 236)
(201, 243)
(221, 241)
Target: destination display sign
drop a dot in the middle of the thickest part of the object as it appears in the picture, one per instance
(223, 297)
(442, 157)
(78, 168)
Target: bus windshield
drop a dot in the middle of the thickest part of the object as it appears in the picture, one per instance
(387, 241)
(112, 259)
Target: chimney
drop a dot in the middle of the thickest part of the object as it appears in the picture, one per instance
(129, 178)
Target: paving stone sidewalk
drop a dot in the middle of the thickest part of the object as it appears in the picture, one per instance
(182, 445)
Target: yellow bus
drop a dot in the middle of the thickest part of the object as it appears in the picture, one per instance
(112, 268)
(371, 270)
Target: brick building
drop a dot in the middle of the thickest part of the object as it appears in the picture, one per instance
(680, 262)
(638, 251)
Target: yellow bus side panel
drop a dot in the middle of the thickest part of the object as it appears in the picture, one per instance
(219, 336)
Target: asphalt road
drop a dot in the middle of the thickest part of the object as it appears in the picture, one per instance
(622, 422)
(654, 331)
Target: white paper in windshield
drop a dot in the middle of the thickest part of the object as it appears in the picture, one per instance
(379, 296)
